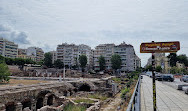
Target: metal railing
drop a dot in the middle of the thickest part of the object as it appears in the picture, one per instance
(134, 103)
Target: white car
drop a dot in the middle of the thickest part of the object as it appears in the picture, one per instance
(149, 74)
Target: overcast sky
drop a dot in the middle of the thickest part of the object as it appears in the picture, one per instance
(47, 23)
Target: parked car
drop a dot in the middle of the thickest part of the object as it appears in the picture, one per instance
(149, 74)
(158, 77)
(184, 78)
(168, 77)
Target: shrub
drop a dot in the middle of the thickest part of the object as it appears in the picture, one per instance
(116, 79)
(88, 101)
(97, 96)
(124, 92)
(71, 107)
(4, 73)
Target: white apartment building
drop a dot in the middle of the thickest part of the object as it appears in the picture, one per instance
(137, 62)
(85, 50)
(54, 56)
(8, 48)
(69, 53)
(126, 52)
(106, 50)
(35, 53)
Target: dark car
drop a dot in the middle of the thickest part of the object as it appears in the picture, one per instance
(168, 77)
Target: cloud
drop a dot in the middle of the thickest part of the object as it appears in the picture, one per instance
(11, 34)
(94, 22)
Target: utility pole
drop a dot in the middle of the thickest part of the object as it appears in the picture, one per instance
(64, 73)
(158, 47)
(154, 85)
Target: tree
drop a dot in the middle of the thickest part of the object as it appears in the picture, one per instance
(158, 69)
(58, 64)
(48, 59)
(9, 61)
(40, 62)
(102, 62)
(29, 61)
(4, 73)
(20, 62)
(116, 61)
(183, 59)
(83, 61)
(149, 67)
(174, 70)
(2, 59)
(173, 59)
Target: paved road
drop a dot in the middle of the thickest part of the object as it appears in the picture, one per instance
(168, 98)
(175, 83)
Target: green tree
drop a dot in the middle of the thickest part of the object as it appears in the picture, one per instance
(116, 61)
(48, 59)
(29, 61)
(40, 62)
(102, 62)
(58, 64)
(149, 67)
(158, 69)
(83, 61)
(183, 59)
(20, 62)
(2, 59)
(9, 61)
(174, 70)
(173, 59)
(4, 73)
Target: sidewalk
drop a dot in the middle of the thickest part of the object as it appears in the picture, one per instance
(168, 98)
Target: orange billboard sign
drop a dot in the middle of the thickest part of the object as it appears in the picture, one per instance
(160, 47)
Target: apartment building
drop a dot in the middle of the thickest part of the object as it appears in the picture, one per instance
(137, 62)
(105, 50)
(85, 50)
(126, 52)
(160, 60)
(8, 48)
(54, 56)
(35, 53)
(69, 53)
(22, 53)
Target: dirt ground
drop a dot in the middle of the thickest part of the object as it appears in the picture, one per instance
(14, 82)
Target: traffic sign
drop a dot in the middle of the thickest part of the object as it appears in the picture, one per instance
(160, 47)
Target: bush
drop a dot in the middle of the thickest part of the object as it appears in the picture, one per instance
(129, 83)
(88, 101)
(97, 96)
(116, 79)
(124, 92)
(4, 73)
(71, 107)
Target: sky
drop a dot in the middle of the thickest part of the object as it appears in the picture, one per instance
(47, 23)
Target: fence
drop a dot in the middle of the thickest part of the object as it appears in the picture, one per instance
(134, 104)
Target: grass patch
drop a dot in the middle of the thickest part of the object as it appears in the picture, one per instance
(88, 101)
(13, 82)
(115, 79)
(124, 92)
(97, 96)
(71, 107)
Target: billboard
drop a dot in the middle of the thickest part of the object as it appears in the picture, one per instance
(160, 47)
